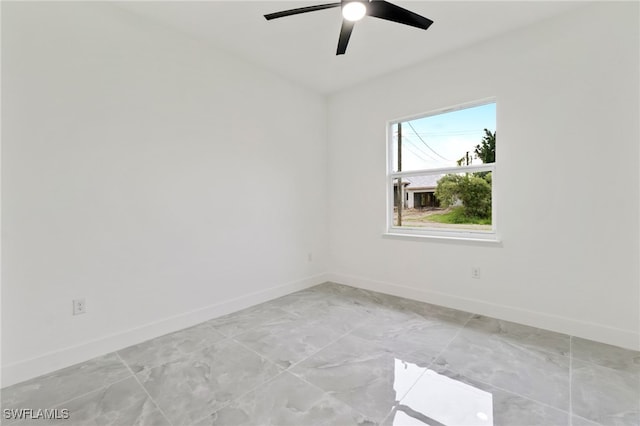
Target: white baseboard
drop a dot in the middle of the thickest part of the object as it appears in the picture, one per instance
(26, 369)
(48, 362)
(587, 330)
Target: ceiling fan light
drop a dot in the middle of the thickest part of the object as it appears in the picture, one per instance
(354, 11)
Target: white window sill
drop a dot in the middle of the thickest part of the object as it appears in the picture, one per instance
(489, 240)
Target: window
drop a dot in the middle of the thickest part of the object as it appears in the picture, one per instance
(441, 174)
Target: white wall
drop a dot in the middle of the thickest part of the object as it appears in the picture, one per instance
(163, 180)
(168, 182)
(567, 182)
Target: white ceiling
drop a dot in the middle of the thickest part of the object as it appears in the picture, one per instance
(302, 47)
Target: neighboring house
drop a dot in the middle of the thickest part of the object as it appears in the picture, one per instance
(419, 192)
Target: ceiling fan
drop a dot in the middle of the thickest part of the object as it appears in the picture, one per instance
(354, 10)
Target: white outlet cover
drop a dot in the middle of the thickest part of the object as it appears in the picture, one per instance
(475, 273)
(79, 306)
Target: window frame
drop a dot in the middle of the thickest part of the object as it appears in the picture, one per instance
(440, 233)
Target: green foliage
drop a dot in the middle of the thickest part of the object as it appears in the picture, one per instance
(457, 216)
(471, 192)
(466, 160)
(475, 194)
(448, 190)
(486, 150)
(486, 176)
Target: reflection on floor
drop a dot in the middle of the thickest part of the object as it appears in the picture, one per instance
(335, 355)
(438, 399)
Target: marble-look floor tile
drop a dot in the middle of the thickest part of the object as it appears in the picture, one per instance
(52, 389)
(380, 304)
(331, 292)
(449, 398)
(286, 400)
(380, 367)
(166, 348)
(340, 312)
(246, 319)
(316, 295)
(605, 395)
(345, 292)
(123, 403)
(289, 340)
(204, 381)
(360, 296)
(581, 421)
(534, 338)
(426, 310)
(419, 338)
(605, 355)
(340, 317)
(510, 409)
(365, 377)
(515, 368)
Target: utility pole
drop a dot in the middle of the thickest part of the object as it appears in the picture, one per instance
(400, 188)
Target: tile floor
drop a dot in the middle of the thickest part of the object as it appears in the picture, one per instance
(335, 355)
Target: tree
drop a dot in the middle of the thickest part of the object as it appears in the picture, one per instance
(448, 190)
(475, 194)
(472, 192)
(486, 150)
(466, 160)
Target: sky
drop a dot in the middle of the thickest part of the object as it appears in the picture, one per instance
(441, 140)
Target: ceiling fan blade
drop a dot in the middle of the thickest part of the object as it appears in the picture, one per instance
(284, 13)
(345, 34)
(385, 10)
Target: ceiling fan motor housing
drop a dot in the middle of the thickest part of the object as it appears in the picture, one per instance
(354, 10)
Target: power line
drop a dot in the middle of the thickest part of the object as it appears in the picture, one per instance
(422, 150)
(451, 133)
(416, 154)
(416, 150)
(408, 143)
(426, 144)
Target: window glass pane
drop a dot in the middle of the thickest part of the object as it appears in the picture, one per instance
(450, 139)
(455, 201)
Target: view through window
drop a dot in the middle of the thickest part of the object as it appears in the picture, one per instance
(441, 172)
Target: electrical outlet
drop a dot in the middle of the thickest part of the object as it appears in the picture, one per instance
(475, 273)
(79, 307)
